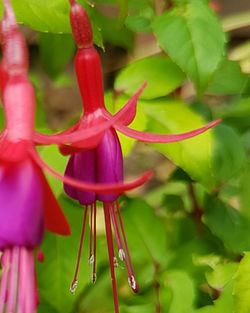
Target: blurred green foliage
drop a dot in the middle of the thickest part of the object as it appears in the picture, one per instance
(190, 236)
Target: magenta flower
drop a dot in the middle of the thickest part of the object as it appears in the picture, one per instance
(27, 204)
(100, 161)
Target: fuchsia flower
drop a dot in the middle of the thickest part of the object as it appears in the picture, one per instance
(100, 161)
(27, 204)
(94, 171)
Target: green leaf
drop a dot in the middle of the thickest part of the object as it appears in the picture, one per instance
(242, 286)
(228, 154)
(244, 193)
(205, 309)
(182, 291)
(161, 74)
(223, 304)
(221, 275)
(45, 307)
(145, 241)
(238, 115)
(193, 38)
(50, 16)
(141, 22)
(113, 32)
(56, 272)
(210, 158)
(45, 16)
(228, 79)
(147, 308)
(228, 224)
(55, 51)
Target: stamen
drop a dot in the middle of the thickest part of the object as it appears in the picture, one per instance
(30, 288)
(106, 207)
(73, 286)
(5, 260)
(26, 283)
(75, 279)
(13, 282)
(94, 264)
(91, 257)
(132, 283)
(132, 280)
(121, 254)
(115, 262)
(116, 229)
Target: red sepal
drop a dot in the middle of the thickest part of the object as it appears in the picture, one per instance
(13, 151)
(54, 218)
(161, 138)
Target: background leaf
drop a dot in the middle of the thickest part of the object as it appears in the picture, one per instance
(182, 291)
(52, 57)
(160, 73)
(235, 230)
(192, 36)
(228, 79)
(242, 287)
(210, 158)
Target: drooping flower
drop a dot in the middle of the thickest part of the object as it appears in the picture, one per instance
(101, 161)
(27, 204)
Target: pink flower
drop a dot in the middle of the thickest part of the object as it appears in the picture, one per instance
(100, 161)
(27, 204)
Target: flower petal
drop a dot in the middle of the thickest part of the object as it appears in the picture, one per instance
(100, 188)
(21, 198)
(161, 138)
(126, 116)
(54, 218)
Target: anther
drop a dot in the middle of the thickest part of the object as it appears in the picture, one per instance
(91, 259)
(73, 286)
(133, 284)
(121, 254)
(115, 262)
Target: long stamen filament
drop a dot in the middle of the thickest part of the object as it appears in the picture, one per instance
(94, 264)
(13, 282)
(5, 260)
(75, 279)
(121, 252)
(30, 303)
(117, 233)
(109, 236)
(91, 260)
(131, 279)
